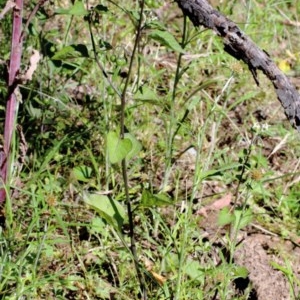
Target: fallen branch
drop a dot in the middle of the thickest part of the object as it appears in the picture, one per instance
(240, 46)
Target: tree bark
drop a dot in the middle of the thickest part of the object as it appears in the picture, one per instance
(240, 46)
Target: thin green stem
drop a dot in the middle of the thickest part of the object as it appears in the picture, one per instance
(99, 63)
(173, 130)
(171, 133)
(234, 226)
(124, 163)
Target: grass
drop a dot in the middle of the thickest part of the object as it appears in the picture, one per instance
(201, 129)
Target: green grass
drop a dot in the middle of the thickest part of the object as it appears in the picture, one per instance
(204, 130)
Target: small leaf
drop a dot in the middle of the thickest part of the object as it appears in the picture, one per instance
(194, 270)
(225, 217)
(136, 146)
(71, 51)
(71, 283)
(110, 210)
(35, 113)
(146, 94)
(242, 218)
(150, 200)
(82, 173)
(155, 24)
(166, 39)
(220, 171)
(117, 148)
(97, 225)
(279, 267)
(241, 272)
(77, 9)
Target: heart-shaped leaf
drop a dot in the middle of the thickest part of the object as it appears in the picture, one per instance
(136, 146)
(71, 51)
(117, 148)
(110, 210)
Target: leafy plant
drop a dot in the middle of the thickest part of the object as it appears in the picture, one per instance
(134, 122)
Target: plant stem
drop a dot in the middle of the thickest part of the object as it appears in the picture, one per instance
(171, 130)
(12, 101)
(124, 163)
(12, 98)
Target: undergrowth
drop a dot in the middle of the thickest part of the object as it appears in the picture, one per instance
(196, 130)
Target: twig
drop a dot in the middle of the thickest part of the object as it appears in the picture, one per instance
(241, 47)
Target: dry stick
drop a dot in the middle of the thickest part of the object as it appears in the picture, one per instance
(241, 47)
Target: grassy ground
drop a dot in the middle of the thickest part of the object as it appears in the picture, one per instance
(212, 168)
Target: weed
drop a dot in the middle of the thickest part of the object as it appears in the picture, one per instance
(136, 130)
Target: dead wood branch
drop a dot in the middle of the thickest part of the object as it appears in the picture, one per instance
(240, 46)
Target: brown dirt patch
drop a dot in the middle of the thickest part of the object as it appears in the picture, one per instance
(258, 253)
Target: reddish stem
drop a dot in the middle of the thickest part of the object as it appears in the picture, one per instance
(11, 106)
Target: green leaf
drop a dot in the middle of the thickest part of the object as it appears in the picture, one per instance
(146, 94)
(150, 200)
(49, 156)
(166, 39)
(82, 173)
(155, 24)
(97, 225)
(117, 148)
(71, 282)
(218, 172)
(225, 217)
(110, 210)
(136, 146)
(279, 267)
(77, 9)
(71, 51)
(194, 270)
(34, 112)
(240, 272)
(242, 218)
